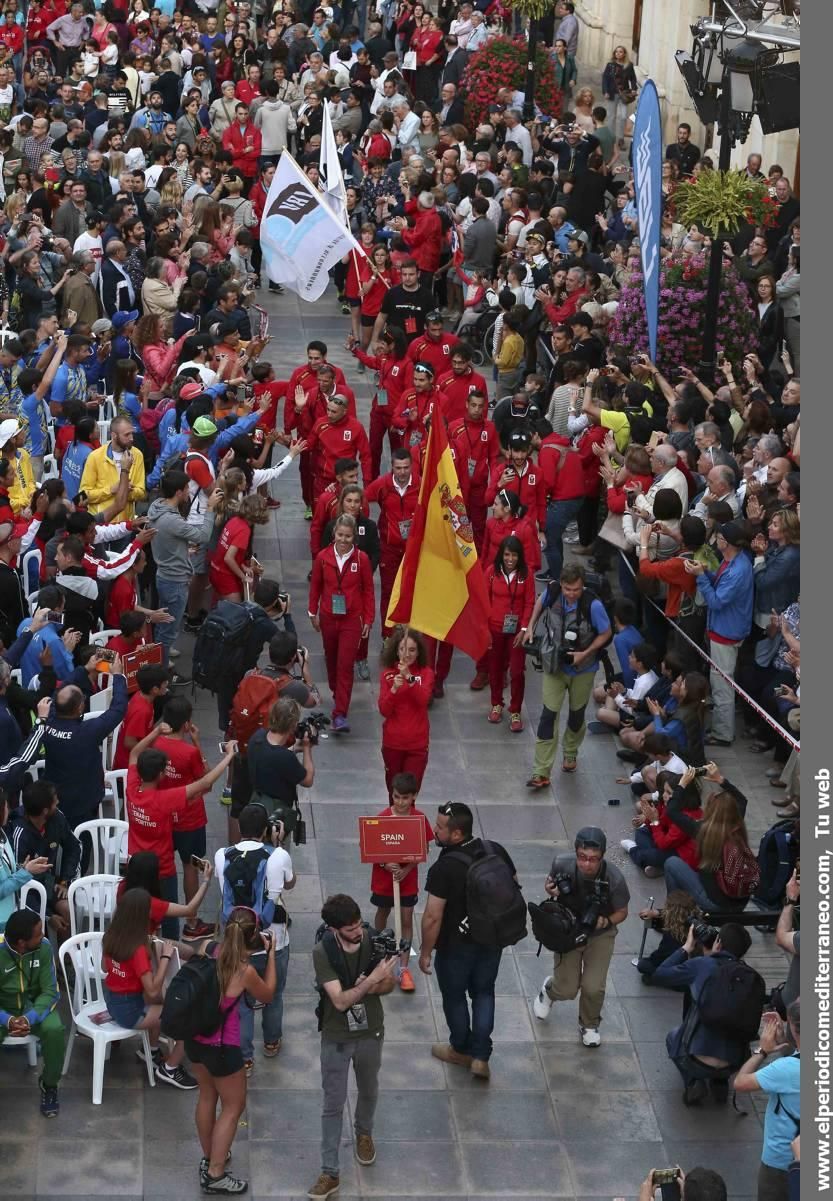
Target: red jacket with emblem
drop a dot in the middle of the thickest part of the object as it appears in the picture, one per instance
(454, 392)
(436, 354)
(339, 440)
(561, 468)
(477, 447)
(529, 486)
(405, 711)
(244, 146)
(410, 415)
(507, 597)
(355, 582)
(498, 528)
(394, 509)
(391, 377)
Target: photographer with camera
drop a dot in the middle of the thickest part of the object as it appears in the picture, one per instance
(254, 873)
(351, 977)
(274, 770)
(781, 1081)
(576, 630)
(788, 938)
(597, 893)
(725, 999)
(673, 1184)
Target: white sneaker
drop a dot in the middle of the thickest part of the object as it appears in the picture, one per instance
(542, 1004)
(590, 1036)
(627, 844)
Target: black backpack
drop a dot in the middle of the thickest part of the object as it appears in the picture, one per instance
(244, 883)
(555, 926)
(222, 645)
(777, 856)
(192, 1000)
(494, 901)
(732, 1000)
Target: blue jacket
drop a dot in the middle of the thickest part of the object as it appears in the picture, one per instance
(778, 579)
(73, 755)
(729, 598)
(177, 444)
(52, 637)
(679, 972)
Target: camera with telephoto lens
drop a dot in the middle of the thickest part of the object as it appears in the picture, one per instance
(705, 934)
(311, 726)
(592, 912)
(383, 945)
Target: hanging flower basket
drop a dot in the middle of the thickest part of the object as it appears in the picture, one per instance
(721, 201)
(502, 64)
(682, 314)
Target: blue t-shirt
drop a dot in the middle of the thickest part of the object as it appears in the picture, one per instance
(72, 466)
(52, 636)
(623, 644)
(70, 383)
(599, 621)
(37, 433)
(129, 403)
(782, 1080)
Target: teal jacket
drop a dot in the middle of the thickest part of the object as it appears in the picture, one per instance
(12, 879)
(28, 985)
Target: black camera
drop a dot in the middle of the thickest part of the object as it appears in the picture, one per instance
(383, 945)
(533, 649)
(598, 900)
(564, 884)
(311, 726)
(705, 934)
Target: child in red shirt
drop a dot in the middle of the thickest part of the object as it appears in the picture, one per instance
(403, 804)
(186, 764)
(138, 721)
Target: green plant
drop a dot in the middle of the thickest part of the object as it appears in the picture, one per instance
(721, 201)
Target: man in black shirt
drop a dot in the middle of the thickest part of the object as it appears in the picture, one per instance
(406, 305)
(683, 152)
(464, 968)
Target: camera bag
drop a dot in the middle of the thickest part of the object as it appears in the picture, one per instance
(732, 1000)
(555, 926)
(192, 1000)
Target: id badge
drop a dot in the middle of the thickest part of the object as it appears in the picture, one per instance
(510, 623)
(472, 467)
(381, 397)
(405, 530)
(356, 1018)
(339, 604)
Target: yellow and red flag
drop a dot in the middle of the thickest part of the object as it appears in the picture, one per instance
(439, 588)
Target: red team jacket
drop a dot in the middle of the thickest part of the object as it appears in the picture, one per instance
(405, 711)
(395, 512)
(454, 391)
(516, 597)
(529, 486)
(355, 582)
(476, 449)
(339, 440)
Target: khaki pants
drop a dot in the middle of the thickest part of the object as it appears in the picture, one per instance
(584, 970)
(556, 686)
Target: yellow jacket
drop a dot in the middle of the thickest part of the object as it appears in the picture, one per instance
(101, 479)
(511, 351)
(20, 492)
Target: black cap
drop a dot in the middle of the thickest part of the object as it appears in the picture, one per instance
(591, 836)
(434, 315)
(520, 440)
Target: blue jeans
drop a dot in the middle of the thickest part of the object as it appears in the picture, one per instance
(469, 969)
(272, 1011)
(173, 596)
(559, 515)
(168, 889)
(645, 853)
(679, 875)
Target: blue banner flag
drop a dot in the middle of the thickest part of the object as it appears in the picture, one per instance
(647, 171)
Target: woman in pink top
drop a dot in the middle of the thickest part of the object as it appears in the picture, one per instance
(216, 1059)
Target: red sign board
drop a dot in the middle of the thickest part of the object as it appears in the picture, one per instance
(149, 655)
(392, 839)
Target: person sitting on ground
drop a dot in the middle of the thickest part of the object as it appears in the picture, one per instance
(656, 837)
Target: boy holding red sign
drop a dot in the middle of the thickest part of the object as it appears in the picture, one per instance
(404, 789)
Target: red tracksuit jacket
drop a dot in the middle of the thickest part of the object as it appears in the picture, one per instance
(409, 418)
(477, 447)
(516, 597)
(498, 528)
(561, 468)
(390, 381)
(437, 354)
(244, 146)
(529, 486)
(405, 711)
(454, 391)
(325, 510)
(339, 440)
(355, 582)
(395, 512)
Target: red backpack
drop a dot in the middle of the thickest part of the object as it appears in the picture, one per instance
(254, 698)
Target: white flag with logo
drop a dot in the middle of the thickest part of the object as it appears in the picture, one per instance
(300, 236)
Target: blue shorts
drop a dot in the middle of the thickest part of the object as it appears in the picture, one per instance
(125, 1008)
(188, 843)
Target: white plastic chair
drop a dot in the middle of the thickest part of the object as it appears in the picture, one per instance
(29, 1041)
(102, 637)
(100, 701)
(92, 902)
(103, 432)
(35, 770)
(108, 746)
(30, 567)
(109, 839)
(86, 999)
(34, 889)
(115, 791)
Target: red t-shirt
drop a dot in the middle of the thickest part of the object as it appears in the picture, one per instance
(125, 646)
(381, 881)
(236, 532)
(122, 599)
(138, 723)
(150, 820)
(198, 470)
(185, 765)
(158, 909)
(126, 977)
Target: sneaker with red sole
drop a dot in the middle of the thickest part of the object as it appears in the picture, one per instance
(515, 723)
(198, 930)
(406, 981)
(536, 783)
(479, 682)
(496, 714)
(271, 503)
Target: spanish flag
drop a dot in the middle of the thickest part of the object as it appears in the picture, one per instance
(439, 588)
